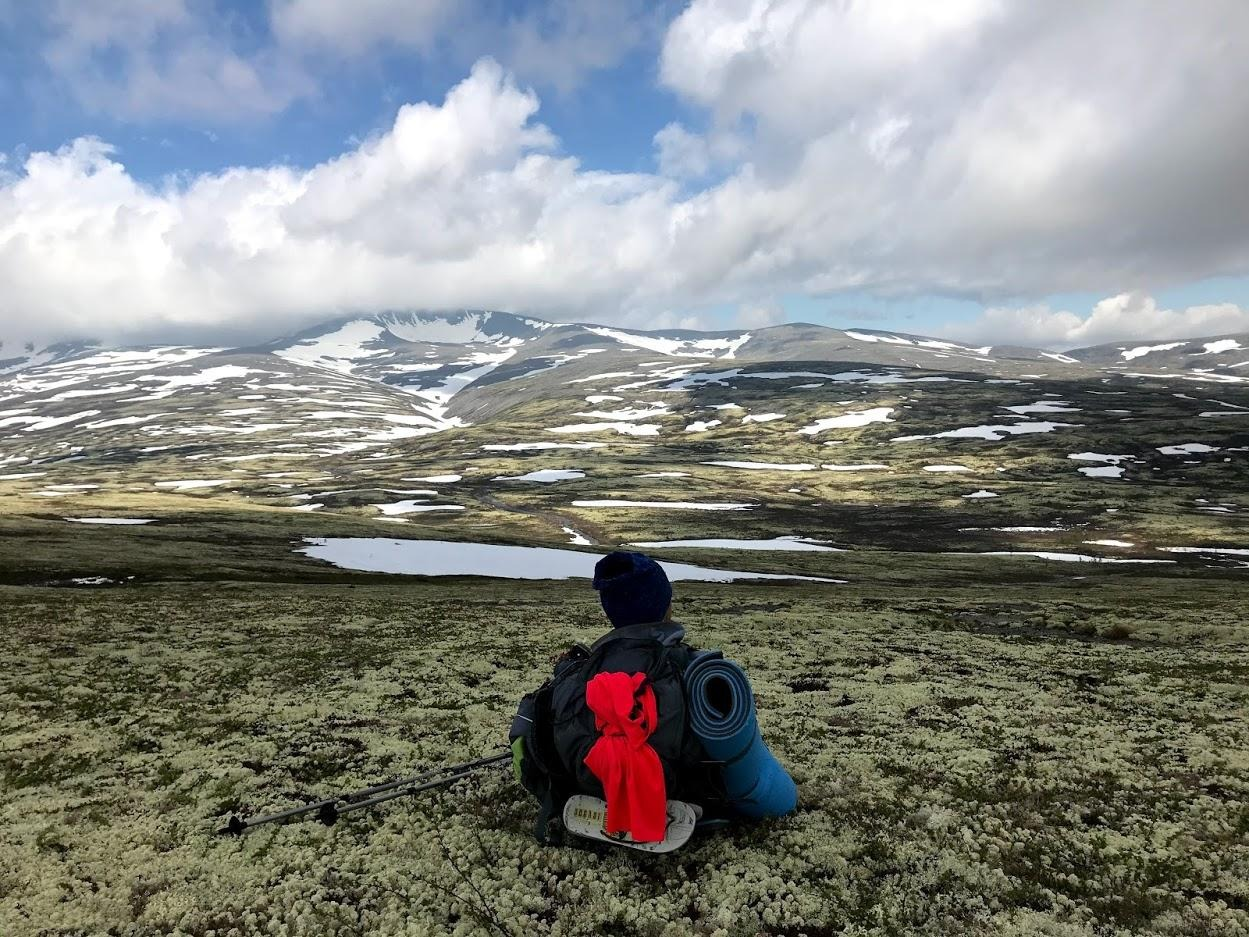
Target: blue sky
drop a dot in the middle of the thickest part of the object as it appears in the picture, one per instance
(607, 122)
(736, 164)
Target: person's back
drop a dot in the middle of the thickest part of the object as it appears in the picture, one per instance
(615, 722)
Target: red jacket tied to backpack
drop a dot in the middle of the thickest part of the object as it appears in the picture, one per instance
(628, 768)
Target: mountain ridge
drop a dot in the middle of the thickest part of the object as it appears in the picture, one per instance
(414, 373)
(440, 329)
(543, 431)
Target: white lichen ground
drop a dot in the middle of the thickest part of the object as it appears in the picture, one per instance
(966, 765)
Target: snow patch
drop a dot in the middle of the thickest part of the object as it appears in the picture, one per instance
(1102, 471)
(1140, 350)
(1062, 557)
(576, 538)
(172, 383)
(192, 484)
(543, 475)
(787, 544)
(1221, 551)
(1099, 457)
(628, 414)
(413, 507)
(888, 339)
(857, 418)
(340, 350)
(628, 429)
(668, 505)
(1043, 406)
(776, 466)
(119, 521)
(993, 433)
(675, 347)
(530, 446)
(36, 424)
(1187, 448)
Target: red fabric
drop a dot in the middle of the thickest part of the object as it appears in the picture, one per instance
(629, 769)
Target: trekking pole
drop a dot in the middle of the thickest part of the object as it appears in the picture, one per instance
(329, 810)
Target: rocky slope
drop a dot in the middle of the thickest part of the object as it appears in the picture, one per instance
(556, 431)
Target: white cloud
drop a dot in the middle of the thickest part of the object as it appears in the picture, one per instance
(1126, 317)
(559, 43)
(759, 315)
(682, 154)
(139, 59)
(974, 147)
(553, 44)
(185, 59)
(355, 28)
(458, 204)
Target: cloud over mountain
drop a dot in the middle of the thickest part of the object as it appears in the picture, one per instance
(969, 149)
(1117, 318)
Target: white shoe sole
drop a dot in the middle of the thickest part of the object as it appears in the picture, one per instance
(587, 816)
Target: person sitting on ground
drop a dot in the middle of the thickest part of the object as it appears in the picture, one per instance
(616, 722)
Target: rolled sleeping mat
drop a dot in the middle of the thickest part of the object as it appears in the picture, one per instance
(722, 717)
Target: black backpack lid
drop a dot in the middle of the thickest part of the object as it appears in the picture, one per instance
(666, 633)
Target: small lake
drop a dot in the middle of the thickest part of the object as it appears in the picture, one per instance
(792, 544)
(451, 558)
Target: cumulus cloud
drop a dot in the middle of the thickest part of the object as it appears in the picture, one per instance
(139, 59)
(187, 59)
(973, 148)
(681, 154)
(1126, 317)
(457, 204)
(759, 315)
(977, 148)
(560, 43)
(355, 28)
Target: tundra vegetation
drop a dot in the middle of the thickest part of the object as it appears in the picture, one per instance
(981, 747)
(1024, 711)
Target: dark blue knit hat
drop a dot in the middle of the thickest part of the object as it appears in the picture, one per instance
(633, 588)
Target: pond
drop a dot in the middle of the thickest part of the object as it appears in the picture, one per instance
(789, 543)
(451, 558)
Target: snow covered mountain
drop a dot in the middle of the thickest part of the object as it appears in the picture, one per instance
(542, 430)
(370, 380)
(1221, 357)
(28, 356)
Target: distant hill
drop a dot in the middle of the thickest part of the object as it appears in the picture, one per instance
(551, 430)
(1220, 356)
(444, 368)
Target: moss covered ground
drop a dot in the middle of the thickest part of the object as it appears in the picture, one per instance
(1043, 754)
(983, 744)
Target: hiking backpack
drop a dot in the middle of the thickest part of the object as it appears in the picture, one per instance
(554, 729)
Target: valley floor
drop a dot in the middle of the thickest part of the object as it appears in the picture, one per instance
(1068, 757)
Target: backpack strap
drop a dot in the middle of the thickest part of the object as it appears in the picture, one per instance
(534, 762)
(666, 634)
(547, 810)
